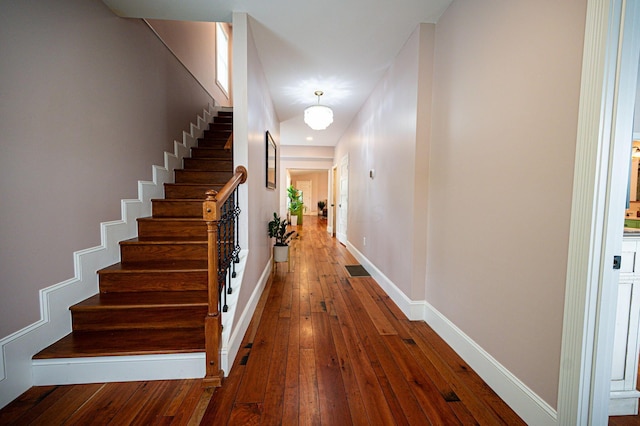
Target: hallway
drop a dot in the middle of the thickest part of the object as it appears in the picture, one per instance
(322, 348)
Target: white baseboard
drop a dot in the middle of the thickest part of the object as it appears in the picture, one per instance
(624, 403)
(527, 404)
(17, 349)
(118, 369)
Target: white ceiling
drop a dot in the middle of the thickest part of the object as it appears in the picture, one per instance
(342, 47)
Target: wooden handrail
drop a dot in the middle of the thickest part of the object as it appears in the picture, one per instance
(211, 213)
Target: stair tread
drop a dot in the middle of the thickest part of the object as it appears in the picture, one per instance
(150, 299)
(167, 267)
(125, 342)
(171, 219)
(164, 240)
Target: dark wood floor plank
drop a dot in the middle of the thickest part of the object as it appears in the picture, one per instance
(64, 407)
(398, 386)
(31, 404)
(381, 323)
(274, 397)
(373, 395)
(427, 394)
(159, 400)
(104, 405)
(287, 289)
(138, 400)
(402, 401)
(309, 407)
(183, 412)
(181, 391)
(201, 406)
(352, 390)
(292, 375)
(245, 413)
(334, 406)
(316, 296)
(253, 389)
(219, 409)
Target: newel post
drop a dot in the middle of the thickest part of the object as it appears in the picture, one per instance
(212, 322)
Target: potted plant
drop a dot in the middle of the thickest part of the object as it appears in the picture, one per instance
(278, 230)
(321, 206)
(295, 205)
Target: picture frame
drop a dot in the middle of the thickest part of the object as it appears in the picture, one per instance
(271, 157)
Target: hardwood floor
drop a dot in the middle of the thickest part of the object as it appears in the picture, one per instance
(323, 348)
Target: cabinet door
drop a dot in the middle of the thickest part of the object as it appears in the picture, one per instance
(625, 346)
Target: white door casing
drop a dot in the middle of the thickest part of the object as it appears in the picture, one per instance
(343, 200)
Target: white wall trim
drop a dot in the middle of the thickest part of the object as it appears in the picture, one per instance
(526, 403)
(17, 349)
(118, 369)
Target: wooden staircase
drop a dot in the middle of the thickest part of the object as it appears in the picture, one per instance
(155, 300)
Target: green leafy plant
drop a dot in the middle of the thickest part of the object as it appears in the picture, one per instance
(295, 203)
(278, 230)
(321, 205)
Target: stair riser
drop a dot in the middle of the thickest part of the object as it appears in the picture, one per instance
(143, 252)
(218, 143)
(173, 228)
(208, 164)
(211, 152)
(221, 126)
(197, 176)
(131, 318)
(217, 134)
(196, 192)
(223, 120)
(125, 282)
(178, 208)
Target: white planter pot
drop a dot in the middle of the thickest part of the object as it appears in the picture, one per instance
(280, 253)
(294, 220)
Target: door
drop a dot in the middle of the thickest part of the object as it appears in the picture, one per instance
(343, 200)
(331, 208)
(305, 186)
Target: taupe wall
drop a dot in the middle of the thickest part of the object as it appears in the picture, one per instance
(194, 44)
(389, 210)
(88, 103)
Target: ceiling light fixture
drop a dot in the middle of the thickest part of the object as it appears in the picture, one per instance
(318, 117)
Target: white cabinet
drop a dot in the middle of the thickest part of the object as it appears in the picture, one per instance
(624, 372)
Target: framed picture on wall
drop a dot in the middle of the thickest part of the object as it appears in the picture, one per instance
(271, 161)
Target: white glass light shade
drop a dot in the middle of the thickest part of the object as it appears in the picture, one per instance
(318, 117)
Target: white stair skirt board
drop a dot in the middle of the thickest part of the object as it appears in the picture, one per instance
(118, 369)
(17, 349)
(527, 404)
